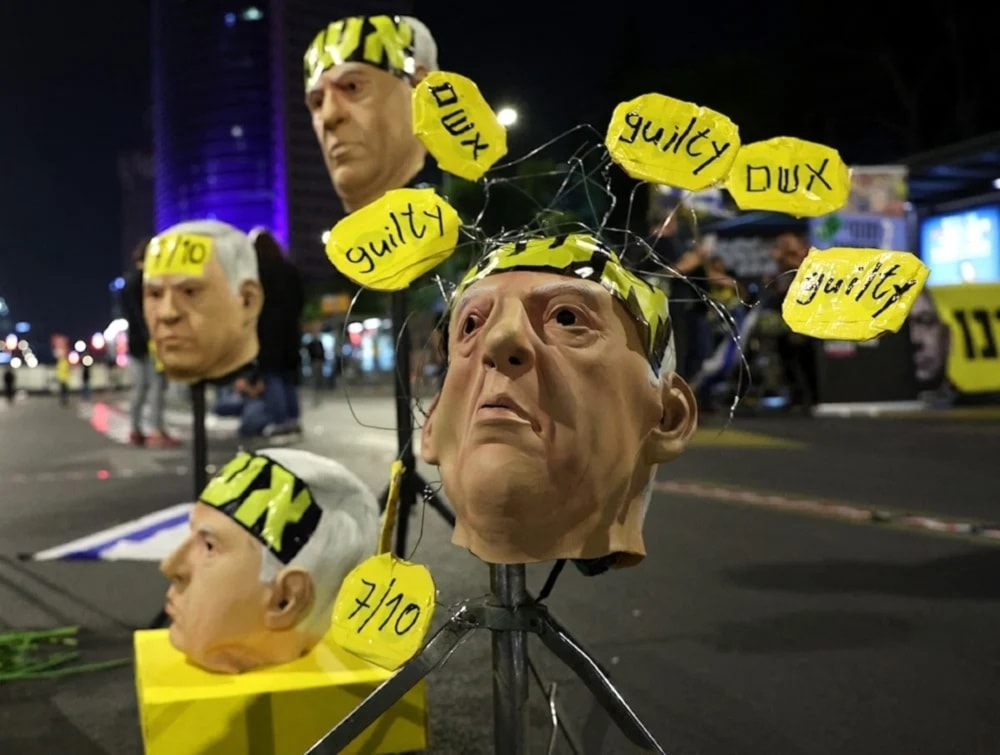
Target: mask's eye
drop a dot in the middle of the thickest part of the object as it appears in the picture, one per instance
(470, 324)
(566, 317)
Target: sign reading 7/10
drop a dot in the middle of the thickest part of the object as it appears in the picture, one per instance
(387, 606)
(183, 254)
(384, 610)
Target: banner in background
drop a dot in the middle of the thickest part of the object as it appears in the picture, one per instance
(955, 331)
(878, 190)
(859, 231)
(874, 216)
(748, 258)
(882, 369)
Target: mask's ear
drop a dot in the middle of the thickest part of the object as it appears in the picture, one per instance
(252, 298)
(418, 75)
(428, 443)
(291, 598)
(677, 423)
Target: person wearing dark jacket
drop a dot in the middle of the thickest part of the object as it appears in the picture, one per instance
(148, 383)
(271, 400)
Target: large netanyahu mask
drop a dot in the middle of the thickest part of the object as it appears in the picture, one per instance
(272, 537)
(558, 403)
(201, 299)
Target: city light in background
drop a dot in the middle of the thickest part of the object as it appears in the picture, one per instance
(507, 116)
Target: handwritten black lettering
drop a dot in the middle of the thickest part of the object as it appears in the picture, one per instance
(450, 95)
(785, 183)
(817, 173)
(380, 602)
(181, 252)
(476, 145)
(412, 609)
(405, 619)
(766, 178)
(404, 227)
(758, 177)
(456, 122)
(394, 602)
(679, 138)
(819, 282)
(363, 603)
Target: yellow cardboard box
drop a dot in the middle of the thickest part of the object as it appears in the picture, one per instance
(281, 710)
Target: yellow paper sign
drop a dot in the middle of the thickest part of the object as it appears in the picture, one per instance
(383, 610)
(666, 141)
(972, 313)
(392, 499)
(789, 175)
(385, 606)
(388, 244)
(853, 294)
(457, 125)
(184, 254)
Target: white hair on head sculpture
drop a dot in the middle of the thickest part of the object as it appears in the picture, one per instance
(271, 539)
(425, 51)
(347, 532)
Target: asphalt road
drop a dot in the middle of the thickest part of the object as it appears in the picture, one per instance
(814, 586)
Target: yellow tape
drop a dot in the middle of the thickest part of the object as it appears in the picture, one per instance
(972, 313)
(584, 257)
(391, 505)
(853, 294)
(388, 244)
(457, 125)
(384, 610)
(182, 254)
(382, 41)
(789, 175)
(666, 141)
(269, 501)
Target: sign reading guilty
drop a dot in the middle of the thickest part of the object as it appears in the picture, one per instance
(853, 294)
(388, 244)
(789, 175)
(457, 125)
(666, 141)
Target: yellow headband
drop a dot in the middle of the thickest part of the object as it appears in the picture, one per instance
(582, 256)
(267, 500)
(382, 41)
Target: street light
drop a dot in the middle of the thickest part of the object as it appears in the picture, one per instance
(507, 116)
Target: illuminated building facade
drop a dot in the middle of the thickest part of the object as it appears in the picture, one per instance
(232, 137)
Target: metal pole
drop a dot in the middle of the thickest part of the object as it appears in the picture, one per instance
(510, 665)
(404, 420)
(199, 443)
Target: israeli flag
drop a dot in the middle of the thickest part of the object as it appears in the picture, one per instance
(149, 538)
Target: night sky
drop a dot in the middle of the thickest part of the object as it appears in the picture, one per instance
(75, 77)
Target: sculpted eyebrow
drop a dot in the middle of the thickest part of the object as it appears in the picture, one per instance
(586, 293)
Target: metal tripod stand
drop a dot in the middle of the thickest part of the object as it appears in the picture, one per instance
(510, 614)
(412, 483)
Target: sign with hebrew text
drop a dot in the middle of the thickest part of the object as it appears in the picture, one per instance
(456, 125)
(789, 175)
